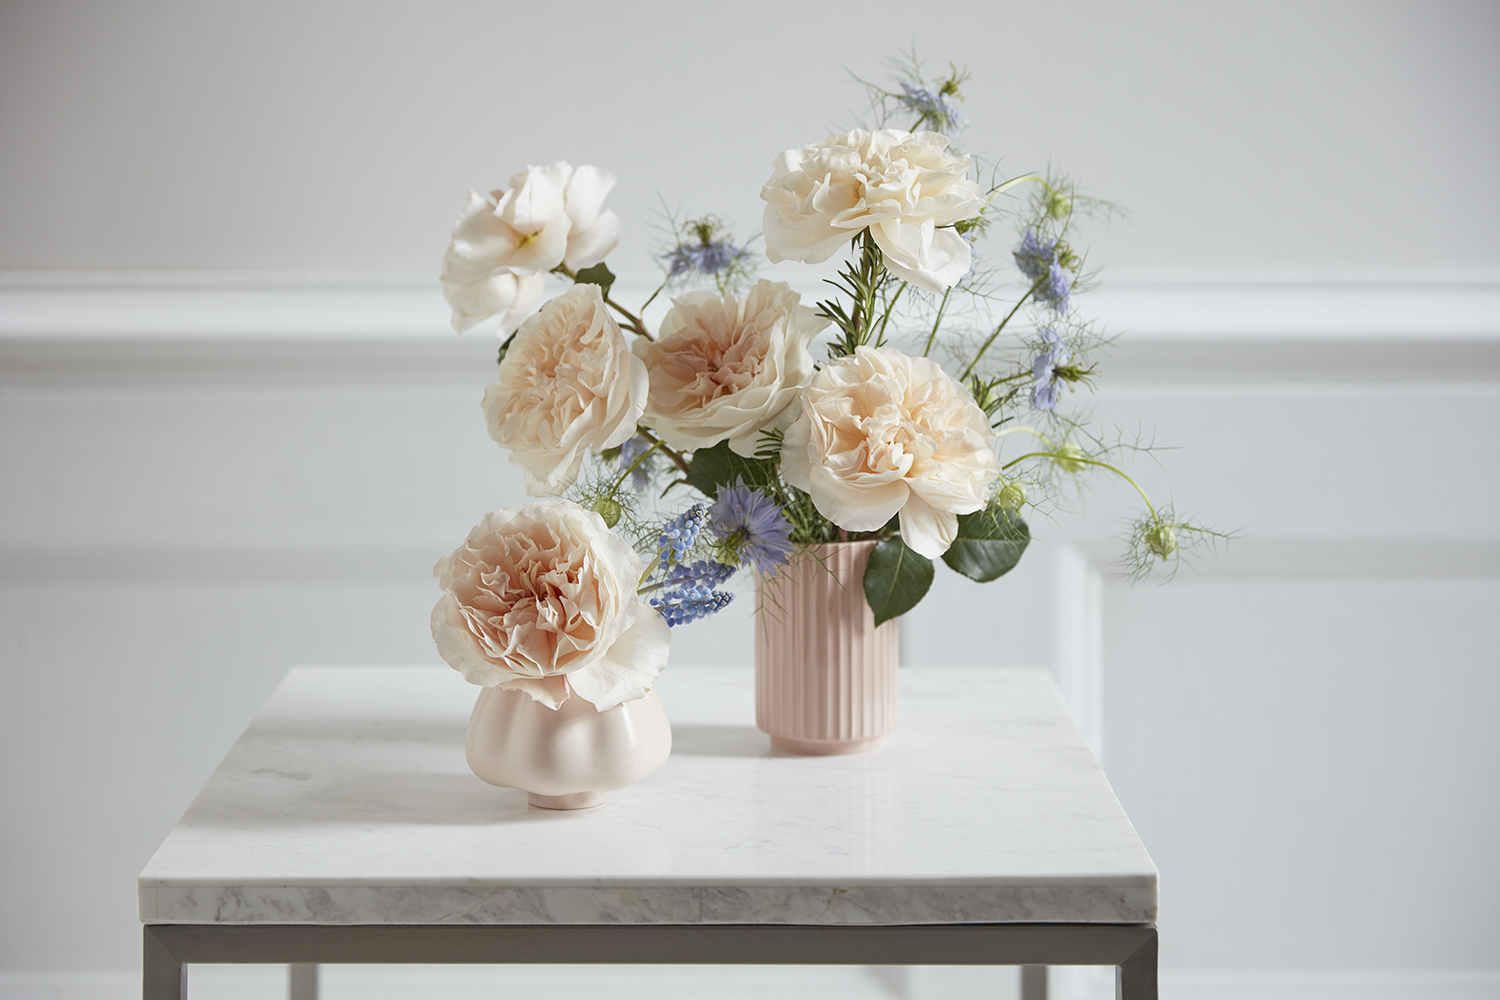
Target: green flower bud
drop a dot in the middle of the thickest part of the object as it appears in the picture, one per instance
(609, 510)
(1162, 540)
(1012, 496)
(1059, 205)
(1068, 458)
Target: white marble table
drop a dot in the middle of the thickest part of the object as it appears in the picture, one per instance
(345, 826)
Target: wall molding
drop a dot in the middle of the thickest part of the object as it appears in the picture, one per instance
(167, 329)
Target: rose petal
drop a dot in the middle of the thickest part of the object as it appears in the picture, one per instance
(926, 530)
(631, 666)
(587, 189)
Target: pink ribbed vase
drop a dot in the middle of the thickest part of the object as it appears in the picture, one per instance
(825, 676)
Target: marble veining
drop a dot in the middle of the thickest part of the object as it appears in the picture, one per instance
(348, 801)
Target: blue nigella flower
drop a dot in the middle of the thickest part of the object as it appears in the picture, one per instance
(631, 450)
(679, 535)
(688, 604)
(1037, 259)
(752, 524)
(705, 258)
(1047, 389)
(935, 106)
(1035, 255)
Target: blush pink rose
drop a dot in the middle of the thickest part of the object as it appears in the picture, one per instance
(724, 368)
(542, 598)
(881, 433)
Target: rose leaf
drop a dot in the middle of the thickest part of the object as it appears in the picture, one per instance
(719, 466)
(599, 274)
(896, 578)
(989, 544)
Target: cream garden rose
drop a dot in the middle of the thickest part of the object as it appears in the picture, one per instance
(568, 385)
(542, 598)
(548, 216)
(903, 187)
(881, 433)
(724, 368)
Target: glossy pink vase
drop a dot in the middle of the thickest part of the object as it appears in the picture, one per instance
(825, 676)
(565, 758)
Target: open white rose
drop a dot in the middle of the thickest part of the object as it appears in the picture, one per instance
(882, 433)
(902, 186)
(725, 368)
(548, 216)
(542, 598)
(567, 385)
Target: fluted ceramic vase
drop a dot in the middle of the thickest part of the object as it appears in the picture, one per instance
(825, 675)
(566, 758)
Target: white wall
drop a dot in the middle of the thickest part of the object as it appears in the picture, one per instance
(208, 477)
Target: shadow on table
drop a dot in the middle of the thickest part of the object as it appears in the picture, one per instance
(720, 741)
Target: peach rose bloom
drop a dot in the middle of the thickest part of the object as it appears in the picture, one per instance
(568, 385)
(725, 368)
(542, 598)
(881, 433)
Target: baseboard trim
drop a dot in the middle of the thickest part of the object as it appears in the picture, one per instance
(736, 983)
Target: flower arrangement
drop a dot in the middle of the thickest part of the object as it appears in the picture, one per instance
(673, 458)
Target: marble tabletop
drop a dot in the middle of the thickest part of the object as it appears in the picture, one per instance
(348, 801)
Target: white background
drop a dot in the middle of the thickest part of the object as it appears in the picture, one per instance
(234, 434)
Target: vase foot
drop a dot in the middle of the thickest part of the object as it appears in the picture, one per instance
(576, 800)
(824, 748)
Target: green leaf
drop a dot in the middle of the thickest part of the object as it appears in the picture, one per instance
(718, 466)
(599, 274)
(989, 544)
(896, 578)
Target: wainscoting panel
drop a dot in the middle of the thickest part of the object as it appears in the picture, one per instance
(205, 479)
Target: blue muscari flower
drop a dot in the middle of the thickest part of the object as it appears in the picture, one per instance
(1046, 389)
(629, 452)
(753, 525)
(679, 535)
(706, 258)
(934, 104)
(690, 602)
(704, 573)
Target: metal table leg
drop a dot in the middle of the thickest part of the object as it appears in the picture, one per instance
(302, 981)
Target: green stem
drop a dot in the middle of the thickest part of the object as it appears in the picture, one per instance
(676, 456)
(1028, 430)
(635, 465)
(942, 308)
(1087, 461)
(647, 304)
(886, 318)
(1014, 309)
(632, 321)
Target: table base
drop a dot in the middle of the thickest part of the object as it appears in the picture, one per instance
(1131, 948)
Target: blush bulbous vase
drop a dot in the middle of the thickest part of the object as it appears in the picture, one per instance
(569, 757)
